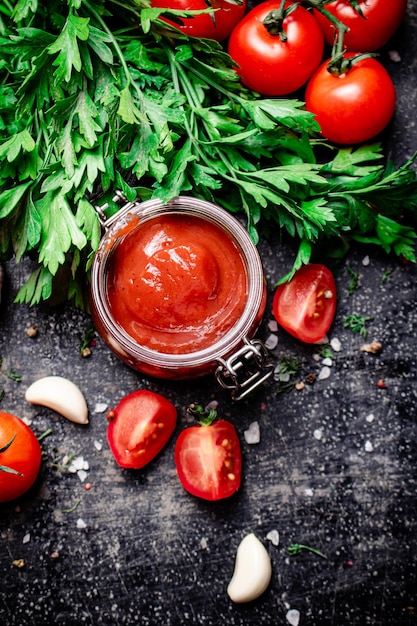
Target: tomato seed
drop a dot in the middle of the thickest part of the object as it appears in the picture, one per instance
(231, 476)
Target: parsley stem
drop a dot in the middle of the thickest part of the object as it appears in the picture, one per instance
(130, 80)
(295, 549)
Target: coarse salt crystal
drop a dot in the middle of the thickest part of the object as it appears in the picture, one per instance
(98, 445)
(293, 617)
(273, 537)
(273, 326)
(318, 434)
(271, 342)
(324, 373)
(81, 524)
(78, 463)
(394, 55)
(101, 407)
(82, 475)
(327, 361)
(253, 433)
(370, 418)
(368, 446)
(366, 260)
(26, 538)
(335, 344)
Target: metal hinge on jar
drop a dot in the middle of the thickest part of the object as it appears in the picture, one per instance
(245, 370)
(118, 199)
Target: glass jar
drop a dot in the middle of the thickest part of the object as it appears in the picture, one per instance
(240, 363)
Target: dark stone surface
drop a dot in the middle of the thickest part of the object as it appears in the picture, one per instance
(336, 467)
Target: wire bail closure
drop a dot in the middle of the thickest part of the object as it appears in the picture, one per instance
(245, 370)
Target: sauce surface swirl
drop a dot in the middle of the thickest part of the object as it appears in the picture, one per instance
(177, 283)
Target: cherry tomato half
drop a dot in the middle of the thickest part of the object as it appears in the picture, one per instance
(140, 427)
(371, 23)
(20, 457)
(208, 460)
(217, 25)
(268, 65)
(354, 106)
(305, 306)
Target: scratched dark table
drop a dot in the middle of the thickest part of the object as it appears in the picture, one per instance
(335, 468)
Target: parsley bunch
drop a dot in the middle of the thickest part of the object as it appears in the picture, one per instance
(101, 95)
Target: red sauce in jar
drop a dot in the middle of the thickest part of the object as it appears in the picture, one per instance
(177, 283)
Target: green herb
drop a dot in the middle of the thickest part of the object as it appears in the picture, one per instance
(287, 367)
(45, 434)
(385, 275)
(357, 324)
(354, 280)
(13, 376)
(325, 351)
(66, 462)
(101, 95)
(73, 507)
(296, 548)
(86, 339)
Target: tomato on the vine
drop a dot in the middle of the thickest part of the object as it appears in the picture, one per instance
(305, 306)
(276, 52)
(355, 105)
(214, 25)
(208, 457)
(371, 23)
(20, 457)
(140, 427)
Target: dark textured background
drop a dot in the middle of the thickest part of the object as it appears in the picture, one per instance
(335, 467)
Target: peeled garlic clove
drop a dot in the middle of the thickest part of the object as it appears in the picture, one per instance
(252, 573)
(61, 395)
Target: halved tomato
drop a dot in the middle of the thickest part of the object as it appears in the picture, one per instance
(140, 427)
(305, 306)
(208, 457)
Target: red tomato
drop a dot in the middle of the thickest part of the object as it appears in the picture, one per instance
(208, 460)
(139, 427)
(20, 457)
(217, 25)
(371, 23)
(268, 65)
(354, 106)
(305, 306)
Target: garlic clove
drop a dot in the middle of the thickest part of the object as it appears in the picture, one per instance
(252, 573)
(61, 395)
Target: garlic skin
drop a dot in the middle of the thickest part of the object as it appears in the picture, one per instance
(252, 573)
(61, 395)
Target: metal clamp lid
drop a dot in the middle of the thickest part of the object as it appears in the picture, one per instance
(245, 369)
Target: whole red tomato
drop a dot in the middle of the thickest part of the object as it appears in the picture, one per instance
(354, 106)
(208, 457)
(140, 427)
(276, 58)
(20, 457)
(371, 23)
(305, 306)
(216, 25)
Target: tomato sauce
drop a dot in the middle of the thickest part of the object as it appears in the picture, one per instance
(177, 283)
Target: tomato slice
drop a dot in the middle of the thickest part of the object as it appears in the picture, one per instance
(305, 306)
(208, 460)
(139, 428)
